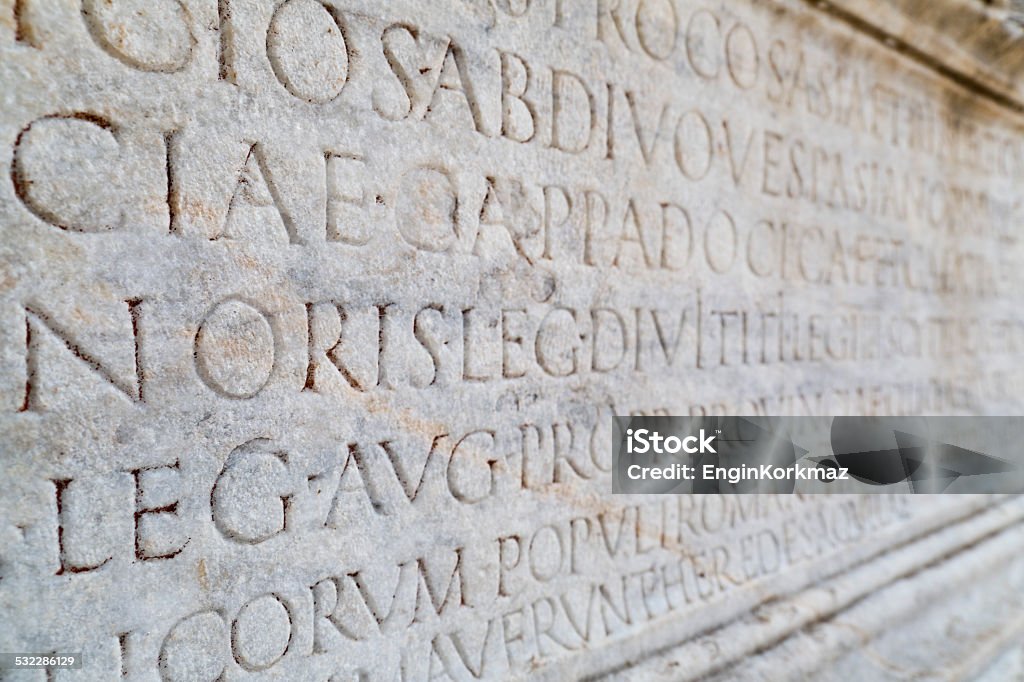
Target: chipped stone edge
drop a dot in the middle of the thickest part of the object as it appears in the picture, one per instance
(925, 44)
(810, 651)
(810, 594)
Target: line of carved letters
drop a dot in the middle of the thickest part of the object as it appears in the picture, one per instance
(553, 223)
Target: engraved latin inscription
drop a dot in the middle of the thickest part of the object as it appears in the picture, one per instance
(314, 315)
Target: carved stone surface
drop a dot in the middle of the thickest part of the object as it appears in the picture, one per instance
(314, 316)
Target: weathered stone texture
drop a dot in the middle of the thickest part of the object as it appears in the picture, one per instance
(314, 315)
